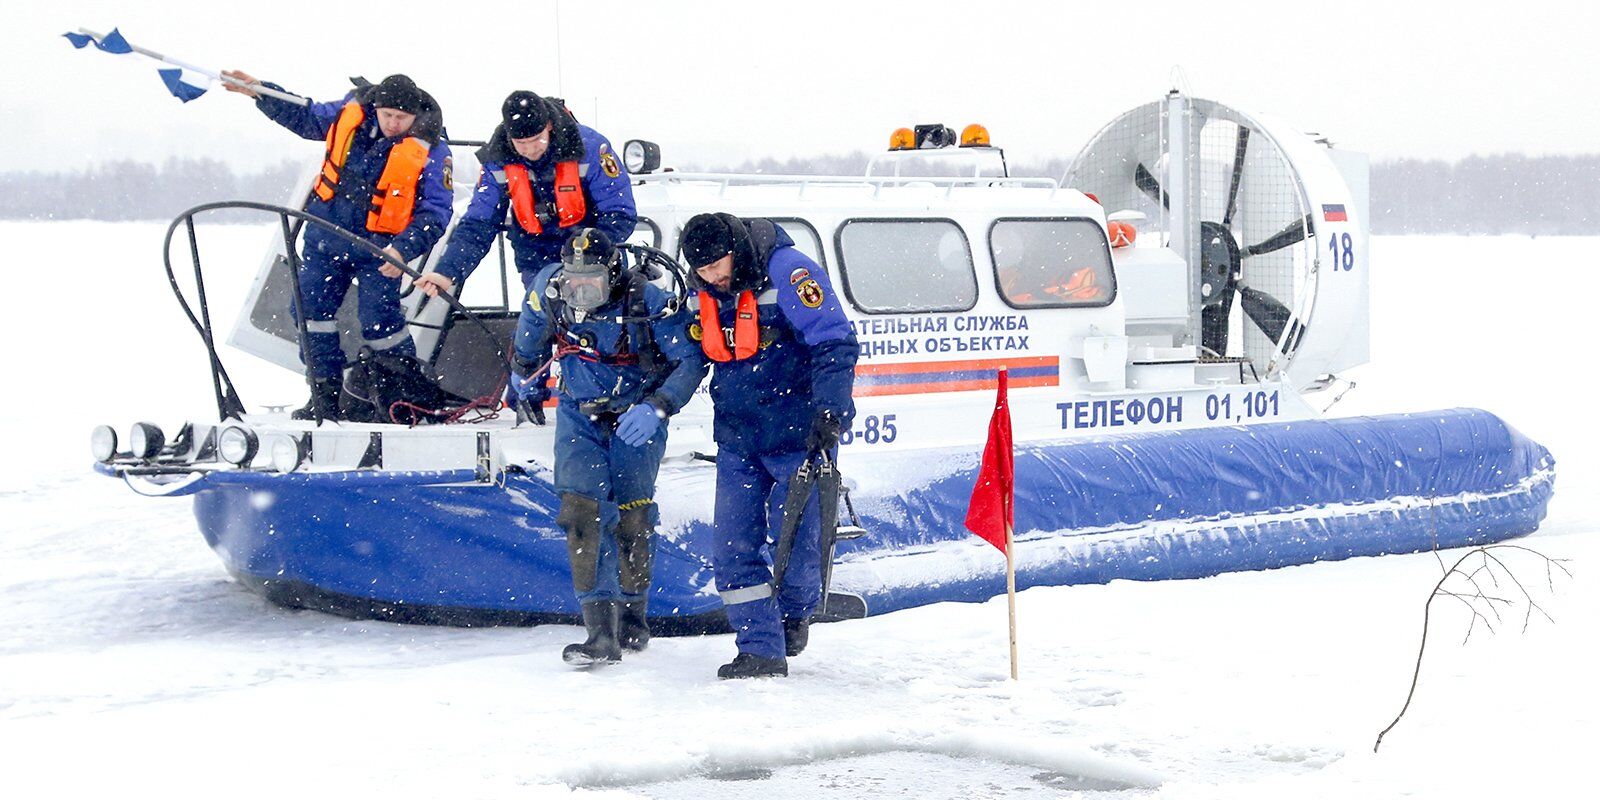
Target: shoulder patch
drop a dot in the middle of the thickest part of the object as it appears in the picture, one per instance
(608, 162)
(449, 178)
(696, 333)
(533, 301)
(810, 293)
(799, 275)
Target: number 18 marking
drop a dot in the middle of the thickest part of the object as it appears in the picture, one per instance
(1343, 252)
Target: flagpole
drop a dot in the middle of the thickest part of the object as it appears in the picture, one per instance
(1011, 599)
(209, 73)
(1011, 565)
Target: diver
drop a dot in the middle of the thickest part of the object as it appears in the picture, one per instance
(627, 364)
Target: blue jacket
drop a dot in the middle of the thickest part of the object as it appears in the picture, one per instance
(765, 403)
(608, 199)
(586, 378)
(369, 151)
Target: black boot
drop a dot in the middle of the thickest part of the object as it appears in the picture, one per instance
(632, 629)
(796, 632)
(600, 619)
(324, 396)
(750, 665)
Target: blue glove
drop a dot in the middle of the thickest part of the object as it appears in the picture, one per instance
(638, 424)
(527, 398)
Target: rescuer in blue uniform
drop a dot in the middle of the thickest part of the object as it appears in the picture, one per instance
(385, 178)
(544, 175)
(784, 364)
(626, 366)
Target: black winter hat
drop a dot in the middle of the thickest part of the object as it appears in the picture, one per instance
(706, 238)
(525, 114)
(400, 93)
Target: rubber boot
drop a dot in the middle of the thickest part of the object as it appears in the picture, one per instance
(796, 633)
(324, 396)
(633, 630)
(600, 619)
(750, 665)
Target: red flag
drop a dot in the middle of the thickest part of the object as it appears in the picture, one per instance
(989, 514)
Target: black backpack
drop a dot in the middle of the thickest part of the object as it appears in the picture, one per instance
(376, 381)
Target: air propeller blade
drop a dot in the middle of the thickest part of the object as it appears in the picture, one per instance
(1148, 184)
(1238, 169)
(1265, 311)
(1296, 231)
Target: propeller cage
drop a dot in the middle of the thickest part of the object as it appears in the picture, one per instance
(1229, 200)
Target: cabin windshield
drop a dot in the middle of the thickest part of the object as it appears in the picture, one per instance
(898, 266)
(1051, 263)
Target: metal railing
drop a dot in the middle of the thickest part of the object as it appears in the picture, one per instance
(875, 182)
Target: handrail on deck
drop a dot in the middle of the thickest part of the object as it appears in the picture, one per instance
(875, 182)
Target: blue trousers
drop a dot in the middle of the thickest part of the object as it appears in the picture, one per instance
(326, 272)
(592, 462)
(748, 516)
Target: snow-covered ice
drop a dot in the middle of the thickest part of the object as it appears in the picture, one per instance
(130, 662)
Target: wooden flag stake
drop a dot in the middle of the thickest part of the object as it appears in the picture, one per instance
(1011, 599)
(1011, 564)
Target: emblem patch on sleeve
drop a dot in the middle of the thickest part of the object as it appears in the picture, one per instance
(799, 275)
(695, 332)
(608, 162)
(533, 301)
(810, 293)
(449, 179)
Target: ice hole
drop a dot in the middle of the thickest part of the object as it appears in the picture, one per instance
(892, 773)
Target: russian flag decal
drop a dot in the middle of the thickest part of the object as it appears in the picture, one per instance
(1334, 213)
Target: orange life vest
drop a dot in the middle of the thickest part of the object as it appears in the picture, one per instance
(395, 195)
(570, 206)
(745, 336)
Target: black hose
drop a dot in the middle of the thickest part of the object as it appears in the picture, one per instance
(228, 403)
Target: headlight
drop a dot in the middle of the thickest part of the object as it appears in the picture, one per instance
(103, 443)
(146, 440)
(237, 445)
(641, 157)
(287, 453)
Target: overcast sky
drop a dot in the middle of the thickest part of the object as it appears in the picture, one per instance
(720, 82)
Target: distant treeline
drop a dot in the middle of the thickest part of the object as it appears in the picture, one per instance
(1544, 195)
(134, 190)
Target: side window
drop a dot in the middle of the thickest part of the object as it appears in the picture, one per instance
(495, 283)
(906, 265)
(1051, 263)
(805, 238)
(646, 231)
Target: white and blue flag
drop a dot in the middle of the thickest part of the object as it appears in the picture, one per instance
(184, 83)
(111, 42)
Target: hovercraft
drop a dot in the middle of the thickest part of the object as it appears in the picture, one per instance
(1167, 313)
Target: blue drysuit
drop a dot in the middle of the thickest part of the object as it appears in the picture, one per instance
(329, 263)
(764, 408)
(608, 201)
(607, 487)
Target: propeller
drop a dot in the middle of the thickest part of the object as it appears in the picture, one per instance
(1222, 262)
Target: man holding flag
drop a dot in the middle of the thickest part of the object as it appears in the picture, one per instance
(385, 178)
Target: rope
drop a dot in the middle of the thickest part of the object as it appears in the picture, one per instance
(482, 409)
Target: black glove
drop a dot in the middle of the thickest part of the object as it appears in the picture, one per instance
(824, 436)
(526, 396)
